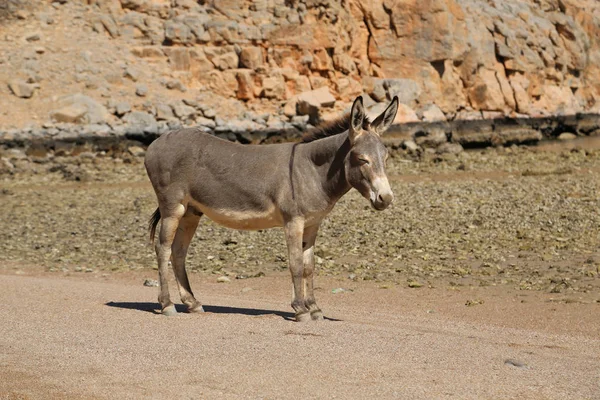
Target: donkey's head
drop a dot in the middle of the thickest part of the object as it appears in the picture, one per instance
(365, 164)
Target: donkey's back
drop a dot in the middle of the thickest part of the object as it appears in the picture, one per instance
(239, 186)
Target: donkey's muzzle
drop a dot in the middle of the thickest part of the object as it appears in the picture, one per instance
(382, 201)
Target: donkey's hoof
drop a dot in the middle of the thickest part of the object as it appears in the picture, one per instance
(169, 311)
(317, 315)
(196, 309)
(303, 317)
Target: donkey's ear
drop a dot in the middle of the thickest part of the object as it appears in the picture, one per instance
(357, 116)
(383, 121)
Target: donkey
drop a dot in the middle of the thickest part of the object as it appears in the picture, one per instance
(289, 185)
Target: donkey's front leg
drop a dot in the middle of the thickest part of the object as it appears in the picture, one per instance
(294, 229)
(308, 248)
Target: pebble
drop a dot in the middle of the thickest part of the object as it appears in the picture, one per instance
(567, 136)
(151, 283)
(515, 363)
(338, 290)
(223, 279)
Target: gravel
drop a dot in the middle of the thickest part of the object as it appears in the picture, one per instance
(519, 216)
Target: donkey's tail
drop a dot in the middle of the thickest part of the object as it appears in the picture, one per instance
(152, 224)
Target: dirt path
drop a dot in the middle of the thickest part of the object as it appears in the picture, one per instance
(99, 337)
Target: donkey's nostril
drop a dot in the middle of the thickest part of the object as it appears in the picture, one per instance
(385, 198)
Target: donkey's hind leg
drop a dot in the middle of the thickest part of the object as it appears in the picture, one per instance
(183, 237)
(170, 217)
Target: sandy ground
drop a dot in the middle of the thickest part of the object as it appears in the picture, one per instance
(100, 337)
(480, 282)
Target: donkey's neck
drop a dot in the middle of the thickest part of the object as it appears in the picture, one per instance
(328, 157)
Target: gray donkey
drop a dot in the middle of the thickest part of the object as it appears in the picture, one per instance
(289, 185)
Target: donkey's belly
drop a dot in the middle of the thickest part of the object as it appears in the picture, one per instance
(242, 219)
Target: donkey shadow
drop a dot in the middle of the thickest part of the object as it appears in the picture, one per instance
(154, 308)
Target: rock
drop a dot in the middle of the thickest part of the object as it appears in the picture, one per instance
(21, 88)
(109, 24)
(148, 52)
(141, 90)
(223, 279)
(410, 145)
(151, 283)
(515, 363)
(178, 33)
(348, 89)
(321, 61)
(567, 136)
(486, 93)
(6, 167)
(273, 87)
(237, 126)
(431, 113)
(246, 86)
(375, 88)
(314, 100)
(449, 148)
(289, 110)
(433, 137)
(140, 122)
(179, 58)
(21, 14)
(344, 63)
(474, 302)
(407, 90)
(164, 112)
(183, 111)
(122, 108)
(132, 74)
(33, 37)
(205, 122)
(405, 114)
(251, 57)
(515, 135)
(176, 84)
(136, 151)
(78, 108)
(466, 115)
(74, 113)
(225, 61)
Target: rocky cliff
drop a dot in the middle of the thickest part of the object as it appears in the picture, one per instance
(236, 65)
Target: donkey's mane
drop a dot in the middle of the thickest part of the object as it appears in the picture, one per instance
(331, 128)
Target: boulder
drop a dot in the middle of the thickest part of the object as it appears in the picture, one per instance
(567, 136)
(251, 57)
(122, 108)
(183, 111)
(273, 87)
(407, 90)
(78, 108)
(21, 88)
(74, 113)
(314, 100)
(431, 113)
(140, 122)
(405, 115)
(164, 112)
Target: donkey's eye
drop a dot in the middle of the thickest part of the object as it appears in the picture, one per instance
(363, 161)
